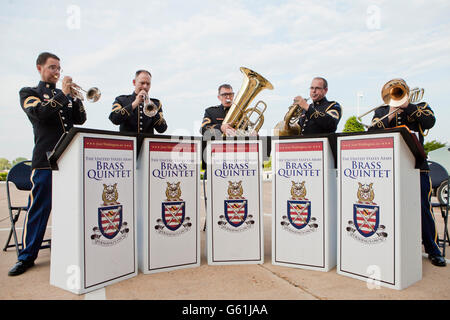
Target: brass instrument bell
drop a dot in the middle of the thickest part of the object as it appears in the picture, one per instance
(239, 115)
(394, 93)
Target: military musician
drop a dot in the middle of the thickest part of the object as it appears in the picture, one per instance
(212, 124)
(51, 112)
(418, 118)
(137, 112)
(321, 116)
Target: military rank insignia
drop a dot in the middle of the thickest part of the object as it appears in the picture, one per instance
(366, 217)
(236, 216)
(298, 211)
(173, 219)
(111, 228)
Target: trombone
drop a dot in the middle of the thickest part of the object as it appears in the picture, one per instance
(394, 93)
(92, 94)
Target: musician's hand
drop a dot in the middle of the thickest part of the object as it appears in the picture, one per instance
(140, 97)
(301, 102)
(67, 85)
(393, 111)
(228, 130)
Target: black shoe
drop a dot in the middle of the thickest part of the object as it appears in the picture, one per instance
(20, 267)
(437, 260)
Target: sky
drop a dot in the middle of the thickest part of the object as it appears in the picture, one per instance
(192, 47)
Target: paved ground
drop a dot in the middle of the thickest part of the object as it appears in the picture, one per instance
(246, 282)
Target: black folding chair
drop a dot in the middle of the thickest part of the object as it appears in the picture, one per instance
(440, 182)
(19, 175)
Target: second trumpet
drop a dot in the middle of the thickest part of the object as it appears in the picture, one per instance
(150, 108)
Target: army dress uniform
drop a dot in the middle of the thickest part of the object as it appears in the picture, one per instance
(135, 120)
(212, 121)
(51, 113)
(322, 117)
(418, 118)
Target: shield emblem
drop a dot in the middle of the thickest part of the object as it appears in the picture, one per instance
(236, 212)
(110, 220)
(299, 213)
(173, 214)
(366, 218)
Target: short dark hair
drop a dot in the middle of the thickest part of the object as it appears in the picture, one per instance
(325, 82)
(226, 86)
(140, 71)
(42, 58)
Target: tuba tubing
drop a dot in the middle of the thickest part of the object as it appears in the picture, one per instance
(238, 117)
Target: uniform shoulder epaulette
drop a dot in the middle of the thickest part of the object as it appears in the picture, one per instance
(25, 89)
(422, 104)
(382, 109)
(30, 97)
(123, 96)
(212, 108)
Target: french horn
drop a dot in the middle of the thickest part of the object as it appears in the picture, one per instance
(289, 125)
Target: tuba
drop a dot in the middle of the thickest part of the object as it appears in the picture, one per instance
(394, 93)
(289, 125)
(240, 115)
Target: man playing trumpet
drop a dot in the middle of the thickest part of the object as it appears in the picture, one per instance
(417, 117)
(137, 112)
(52, 112)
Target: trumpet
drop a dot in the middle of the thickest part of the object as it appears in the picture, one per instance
(92, 94)
(394, 93)
(150, 108)
(289, 125)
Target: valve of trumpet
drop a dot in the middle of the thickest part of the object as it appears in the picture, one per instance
(76, 94)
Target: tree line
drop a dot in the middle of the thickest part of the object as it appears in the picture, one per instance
(5, 164)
